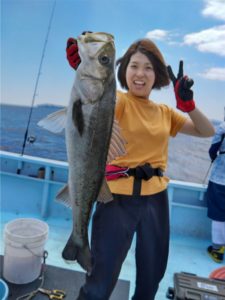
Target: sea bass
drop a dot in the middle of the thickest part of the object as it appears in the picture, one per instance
(91, 136)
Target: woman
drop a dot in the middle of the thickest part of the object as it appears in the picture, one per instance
(140, 202)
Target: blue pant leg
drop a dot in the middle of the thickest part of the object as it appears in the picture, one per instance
(152, 246)
(113, 228)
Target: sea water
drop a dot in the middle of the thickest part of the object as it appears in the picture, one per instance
(188, 156)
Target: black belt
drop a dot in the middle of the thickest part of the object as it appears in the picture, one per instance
(143, 172)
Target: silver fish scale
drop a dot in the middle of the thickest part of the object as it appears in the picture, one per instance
(87, 148)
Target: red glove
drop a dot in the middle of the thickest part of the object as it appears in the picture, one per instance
(182, 88)
(72, 53)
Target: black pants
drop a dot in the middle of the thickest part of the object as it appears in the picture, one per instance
(114, 225)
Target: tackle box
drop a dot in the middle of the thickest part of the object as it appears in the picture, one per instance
(189, 286)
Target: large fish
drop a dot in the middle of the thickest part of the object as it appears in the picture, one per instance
(90, 127)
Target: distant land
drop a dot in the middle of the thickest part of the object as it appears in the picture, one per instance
(188, 156)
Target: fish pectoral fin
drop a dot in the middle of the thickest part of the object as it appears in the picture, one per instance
(63, 196)
(117, 143)
(105, 194)
(77, 115)
(54, 122)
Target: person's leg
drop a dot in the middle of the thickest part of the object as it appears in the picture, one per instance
(112, 233)
(215, 196)
(217, 249)
(152, 246)
(218, 233)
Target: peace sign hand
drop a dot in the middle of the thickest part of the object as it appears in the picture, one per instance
(182, 88)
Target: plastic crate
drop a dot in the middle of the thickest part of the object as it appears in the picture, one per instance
(192, 287)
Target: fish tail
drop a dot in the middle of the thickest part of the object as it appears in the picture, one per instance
(73, 252)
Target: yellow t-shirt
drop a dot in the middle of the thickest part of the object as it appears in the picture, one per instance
(146, 127)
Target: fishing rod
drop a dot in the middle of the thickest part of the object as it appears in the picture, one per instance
(207, 173)
(31, 139)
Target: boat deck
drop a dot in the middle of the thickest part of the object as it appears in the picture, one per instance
(27, 195)
(187, 254)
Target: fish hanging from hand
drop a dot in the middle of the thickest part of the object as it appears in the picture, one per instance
(92, 138)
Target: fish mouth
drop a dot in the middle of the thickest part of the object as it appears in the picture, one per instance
(103, 46)
(96, 37)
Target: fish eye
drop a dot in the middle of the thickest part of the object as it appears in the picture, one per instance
(104, 59)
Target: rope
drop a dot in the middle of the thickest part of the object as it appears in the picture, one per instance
(31, 294)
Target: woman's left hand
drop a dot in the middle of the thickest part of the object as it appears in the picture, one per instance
(182, 88)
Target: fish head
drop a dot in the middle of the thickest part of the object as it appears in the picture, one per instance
(97, 53)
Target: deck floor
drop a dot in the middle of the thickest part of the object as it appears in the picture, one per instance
(187, 254)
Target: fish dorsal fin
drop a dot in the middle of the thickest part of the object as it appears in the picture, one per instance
(63, 196)
(105, 194)
(117, 143)
(54, 122)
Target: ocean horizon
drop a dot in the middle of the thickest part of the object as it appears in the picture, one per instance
(188, 158)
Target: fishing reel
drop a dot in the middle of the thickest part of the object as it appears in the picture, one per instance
(31, 139)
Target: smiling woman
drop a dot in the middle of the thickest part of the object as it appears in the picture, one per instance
(151, 57)
(135, 179)
(140, 75)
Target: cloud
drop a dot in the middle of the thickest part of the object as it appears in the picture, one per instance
(209, 40)
(214, 74)
(215, 9)
(158, 34)
(170, 37)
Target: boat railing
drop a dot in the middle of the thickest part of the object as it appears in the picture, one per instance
(37, 180)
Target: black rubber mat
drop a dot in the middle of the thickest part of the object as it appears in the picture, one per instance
(63, 279)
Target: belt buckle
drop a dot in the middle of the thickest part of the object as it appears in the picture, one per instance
(126, 173)
(145, 172)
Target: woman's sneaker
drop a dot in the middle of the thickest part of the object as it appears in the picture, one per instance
(216, 254)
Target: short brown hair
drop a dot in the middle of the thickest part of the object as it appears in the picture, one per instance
(148, 48)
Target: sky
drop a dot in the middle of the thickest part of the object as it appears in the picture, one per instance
(191, 30)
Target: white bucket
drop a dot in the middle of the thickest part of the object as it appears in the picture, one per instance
(24, 249)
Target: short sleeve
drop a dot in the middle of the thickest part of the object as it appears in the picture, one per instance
(220, 130)
(177, 122)
(120, 104)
